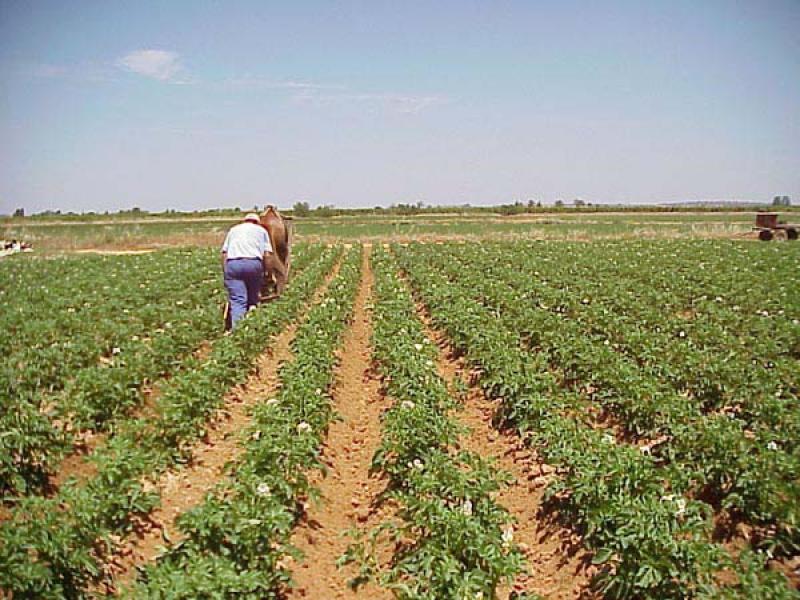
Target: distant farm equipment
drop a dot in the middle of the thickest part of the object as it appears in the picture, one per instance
(9, 247)
(769, 227)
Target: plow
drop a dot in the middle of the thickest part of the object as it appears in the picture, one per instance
(279, 263)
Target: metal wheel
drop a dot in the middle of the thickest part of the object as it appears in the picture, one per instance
(765, 235)
(791, 234)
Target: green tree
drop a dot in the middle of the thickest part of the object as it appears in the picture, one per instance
(301, 209)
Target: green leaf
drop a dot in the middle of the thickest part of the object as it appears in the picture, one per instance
(602, 556)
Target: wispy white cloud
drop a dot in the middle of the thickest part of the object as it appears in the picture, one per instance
(83, 72)
(410, 104)
(252, 81)
(162, 65)
(404, 103)
(166, 66)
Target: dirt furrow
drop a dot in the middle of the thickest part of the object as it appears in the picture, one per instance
(180, 490)
(348, 491)
(558, 566)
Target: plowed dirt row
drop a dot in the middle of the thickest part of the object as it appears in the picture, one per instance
(348, 492)
(558, 566)
(183, 489)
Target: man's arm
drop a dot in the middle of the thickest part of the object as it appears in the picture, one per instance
(225, 249)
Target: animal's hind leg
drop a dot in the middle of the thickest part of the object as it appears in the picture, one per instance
(277, 271)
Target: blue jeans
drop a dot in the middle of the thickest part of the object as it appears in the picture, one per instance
(243, 280)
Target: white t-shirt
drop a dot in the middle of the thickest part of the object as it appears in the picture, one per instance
(246, 240)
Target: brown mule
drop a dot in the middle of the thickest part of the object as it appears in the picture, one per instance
(277, 264)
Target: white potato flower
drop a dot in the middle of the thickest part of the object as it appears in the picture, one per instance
(508, 536)
(681, 502)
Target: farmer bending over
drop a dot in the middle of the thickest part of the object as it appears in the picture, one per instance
(244, 254)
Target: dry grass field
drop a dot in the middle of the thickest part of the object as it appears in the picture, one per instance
(154, 233)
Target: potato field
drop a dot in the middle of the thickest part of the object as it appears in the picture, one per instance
(458, 419)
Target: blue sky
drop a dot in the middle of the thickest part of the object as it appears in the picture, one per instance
(190, 105)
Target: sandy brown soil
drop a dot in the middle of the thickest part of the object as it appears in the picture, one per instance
(558, 566)
(183, 489)
(110, 252)
(348, 492)
(790, 567)
(77, 464)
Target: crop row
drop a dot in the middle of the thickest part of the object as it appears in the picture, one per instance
(35, 440)
(88, 327)
(652, 538)
(452, 539)
(233, 543)
(719, 455)
(696, 330)
(63, 314)
(53, 547)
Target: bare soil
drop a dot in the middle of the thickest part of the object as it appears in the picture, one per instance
(77, 465)
(180, 490)
(348, 492)
(110, 252)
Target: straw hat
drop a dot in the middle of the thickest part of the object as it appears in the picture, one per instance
(251, 217)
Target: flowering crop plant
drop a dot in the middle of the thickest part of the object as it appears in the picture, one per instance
(645, 395)
(235, 540)
(660, 378)
(52, 546)
(455, 540)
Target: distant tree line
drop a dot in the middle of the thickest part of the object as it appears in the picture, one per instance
(302, 209)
